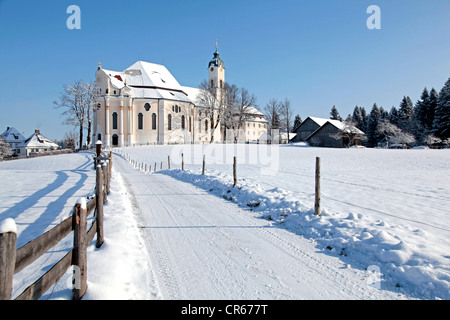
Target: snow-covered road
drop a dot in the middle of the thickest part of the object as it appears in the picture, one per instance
(204, 247)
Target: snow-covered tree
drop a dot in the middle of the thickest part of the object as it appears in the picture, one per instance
(349, 132)
(394, 134)
(77, 101)
(5, 148)
(441, 123)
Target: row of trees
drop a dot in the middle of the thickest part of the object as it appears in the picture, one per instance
(425, 122)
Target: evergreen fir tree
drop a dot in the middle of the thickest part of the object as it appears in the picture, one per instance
(430, 113)
(405, 114)
(334, 114)
(365, 118)
(442, 114)
(357, 117)
(393, 116)
(372, 124)
(297, 122)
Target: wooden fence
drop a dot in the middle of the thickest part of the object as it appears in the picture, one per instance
(13, 260)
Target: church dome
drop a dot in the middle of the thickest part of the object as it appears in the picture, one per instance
(216, 61)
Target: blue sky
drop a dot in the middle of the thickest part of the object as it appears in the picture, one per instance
(315, 53)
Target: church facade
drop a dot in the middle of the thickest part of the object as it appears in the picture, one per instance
(145, 104)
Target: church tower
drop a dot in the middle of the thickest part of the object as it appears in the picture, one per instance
(216, 69)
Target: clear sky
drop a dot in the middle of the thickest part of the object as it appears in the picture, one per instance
(315, 53)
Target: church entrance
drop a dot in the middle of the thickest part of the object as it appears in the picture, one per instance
(115, 140)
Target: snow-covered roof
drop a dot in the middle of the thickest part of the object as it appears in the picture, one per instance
(37, 140)
(12, 135)
(319, 121)
(342, 126)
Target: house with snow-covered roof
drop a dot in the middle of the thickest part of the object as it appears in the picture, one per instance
(13, 137)
(145, 104)
(36, 143)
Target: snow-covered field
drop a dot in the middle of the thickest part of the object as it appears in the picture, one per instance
(382, 210)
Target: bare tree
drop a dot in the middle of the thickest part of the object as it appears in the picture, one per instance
(243, 106)
(287, 114)
(77, 101)
(272, 113)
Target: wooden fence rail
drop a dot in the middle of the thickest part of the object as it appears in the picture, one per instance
(13, 260)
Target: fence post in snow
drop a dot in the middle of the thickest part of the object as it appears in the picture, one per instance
(8, 241)
(79, 257)
(317, 188)
(168, 162)
(234, 172)
(203, 168)
(99, 205)
(182, 161)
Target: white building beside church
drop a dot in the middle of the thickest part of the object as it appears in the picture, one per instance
(145, 104)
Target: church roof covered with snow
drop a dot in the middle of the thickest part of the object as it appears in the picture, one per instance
(149, 80)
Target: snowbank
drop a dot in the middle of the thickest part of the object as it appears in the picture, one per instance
(381, 208)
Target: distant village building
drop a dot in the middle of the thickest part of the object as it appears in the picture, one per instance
(36, 143)
(320, 132)
(145, 104)
(13, 137)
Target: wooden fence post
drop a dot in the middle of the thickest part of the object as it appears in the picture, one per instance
(161, 165)
(317, 188)
(203, 168)
(182, 161)
(79, 257)
(155, 167)
(8, 241)
(168, 162)
(234, 172)
(99, 205)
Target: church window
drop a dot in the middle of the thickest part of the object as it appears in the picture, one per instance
(147, 107)
(199, 126)
(169, 122)
(206, 125)
(153, 121)
(140, 121)
(107, 90)
(221, 83)
(114, 120)
(183, 120)
(114, 91)
(190, 124)
(212, 83)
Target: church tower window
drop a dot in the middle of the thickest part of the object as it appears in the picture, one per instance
(114, 120)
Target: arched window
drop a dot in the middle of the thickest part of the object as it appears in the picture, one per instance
(199, 125)
(206, 125)
(169, 122)
(153, 121)
(140, 121)
(147, 107)
(114, 120)
(183, 120)
(221, 84)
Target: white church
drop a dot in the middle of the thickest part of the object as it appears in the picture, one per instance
(145, 104)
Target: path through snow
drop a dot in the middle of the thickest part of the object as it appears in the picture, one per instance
(204, 247)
